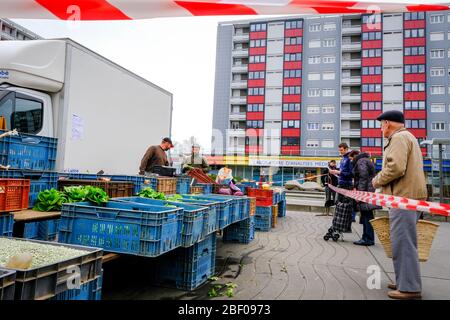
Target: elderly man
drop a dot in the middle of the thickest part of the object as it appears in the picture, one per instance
(195, 160)
(402, 175)
(155, 156)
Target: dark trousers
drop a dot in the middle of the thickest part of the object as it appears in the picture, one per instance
(368, 234)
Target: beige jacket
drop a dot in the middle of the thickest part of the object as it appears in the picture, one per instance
(402, 172)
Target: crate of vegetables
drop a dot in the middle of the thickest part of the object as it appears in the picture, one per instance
(120, 227)
(51, 268)
(112, 188)
(7, 284)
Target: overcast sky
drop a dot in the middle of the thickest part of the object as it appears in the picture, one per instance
(177, 54)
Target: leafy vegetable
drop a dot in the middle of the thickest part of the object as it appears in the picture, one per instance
(96, 195)
(50, 200)
(76, 194)
(151, 194)
(175, 197)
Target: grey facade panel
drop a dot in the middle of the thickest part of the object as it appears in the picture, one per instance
(222, 90)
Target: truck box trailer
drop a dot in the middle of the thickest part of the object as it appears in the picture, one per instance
(103, 115)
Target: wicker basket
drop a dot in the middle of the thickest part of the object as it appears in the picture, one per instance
(167, 185)
(426, 232)
(252, 206)
(274, 215)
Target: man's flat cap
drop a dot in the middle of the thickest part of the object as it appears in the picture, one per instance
(392, 115)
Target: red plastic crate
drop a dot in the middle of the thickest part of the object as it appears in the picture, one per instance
(14, 194)
(259, 193)
(263, 202)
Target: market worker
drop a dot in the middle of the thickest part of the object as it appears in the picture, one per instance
(402, 175)
(195, 160)
(155, 156)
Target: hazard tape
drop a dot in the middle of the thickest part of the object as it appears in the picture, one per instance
(394, 202)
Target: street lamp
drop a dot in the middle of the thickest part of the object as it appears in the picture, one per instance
(440, 142)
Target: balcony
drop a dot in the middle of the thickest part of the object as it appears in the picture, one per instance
(243, 68)
(350, 115)
(239, 84)
(6, 36)
(349, 98)
(239, 53)
(348, 29)
(238, 116)
(354, 63)
(351, 133)
(238, 100)
(351, 46)
(351, 81)
(235, 150)
(240, 133)
(241, 37)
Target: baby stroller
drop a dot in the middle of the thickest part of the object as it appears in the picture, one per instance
(341, 219)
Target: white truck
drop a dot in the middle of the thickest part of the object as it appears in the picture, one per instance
(103, 115)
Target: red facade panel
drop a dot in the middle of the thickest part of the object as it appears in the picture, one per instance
(256, 67)
(414, 59)
(256, 83)
(371, 133)
(258, 35)
(415, 77)
(293, 115)
(290, 132)
(370, 115)
(292, 82)
(415, 114)
(371, 28)
(372, 44)
(290, 150)
(412, 96)
(255, 99)
(414, 42)
(293, 49)
(369, 62)
(418, 133)
(293, 33)
(292, 98)
(378, 96)
(292, 65)
(414, 24)
(254, 149)
(373, 151)
(254, 132)
(255, 115)
(257, 51)
(372, 79)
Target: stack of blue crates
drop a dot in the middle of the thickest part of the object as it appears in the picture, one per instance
(91, 290)
(263, 218)
(183, 184)
(206, 187)
(42, 230)
(282, 209)
(187, 268)
(241, 232)
(6, 224)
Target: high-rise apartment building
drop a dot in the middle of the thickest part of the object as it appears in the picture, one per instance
(10, 30)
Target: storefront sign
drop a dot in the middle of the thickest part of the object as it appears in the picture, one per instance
(288, 163)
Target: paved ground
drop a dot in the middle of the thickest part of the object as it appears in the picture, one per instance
(294, 262)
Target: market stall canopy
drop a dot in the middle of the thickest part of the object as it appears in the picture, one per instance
(143, 9)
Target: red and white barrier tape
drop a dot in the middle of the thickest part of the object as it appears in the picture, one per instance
(388, 201)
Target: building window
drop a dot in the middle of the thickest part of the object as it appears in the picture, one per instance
(437, 18)
(329, 75)
(415, 15)
(368, 36)
(371, 106)
(371, 53)
(293, 41)
(371, 88)
(414, 51)
(257, 59)
(437, 72)
(293, 57)
(415, 68)
(314, 92)
(437, 90)
(329, 43)
(316, 27)
(313, 126)
(255, 91)
(329, 26)
(371, 124)
(313, 109)
(314, 60)
(258, 27)
(371, 142)
(291, 124)
(292, 90)
(257, 43)
(436, 36)
(290, 141)
(256, 75)
(414, 33)
(371, 19)
(371, 70)
(328, 92)
(415, 124)
(329, 59)
(327, 126)
(314, 43)
(255, 107)
(437, 53)
(294, 73)
(414, 105)
(312, 143)
(327, 108)
(437, 107)
(255, 124)
(313, 76)
(291, 106)
(438, 126)
(414, 86)
(297, 24)
(327, 144)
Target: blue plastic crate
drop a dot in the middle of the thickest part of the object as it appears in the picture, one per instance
(29, 152)
(6, 224)
(121, 227)
(263, 222)
(212, 218)
(251, 184)
(187, 268)
(207, 187)
(223, 208)
(241, 232)
(183, 184)
(31, 230)
(266, 211)
(91, 290)
(48, 230)
(235, 203)
(39, 181)
(193, 217)
(282, 208)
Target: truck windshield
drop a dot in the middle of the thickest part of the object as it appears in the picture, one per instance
(21, 112)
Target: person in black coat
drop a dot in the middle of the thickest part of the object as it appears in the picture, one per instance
(363, 173)
(328, 178)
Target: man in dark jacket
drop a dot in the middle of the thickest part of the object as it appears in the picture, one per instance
(155, 156)
(364, 172)
(326, 179)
